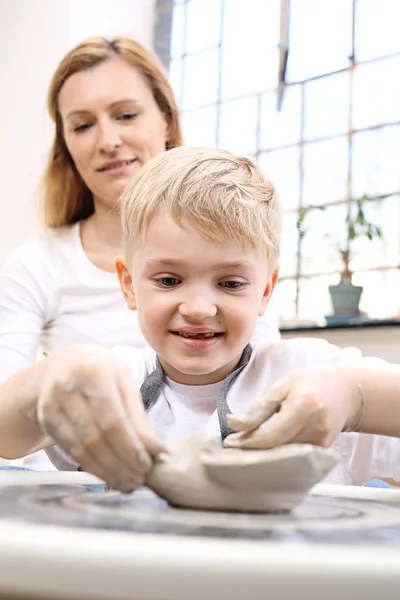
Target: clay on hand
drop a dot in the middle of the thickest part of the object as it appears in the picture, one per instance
(198, 472)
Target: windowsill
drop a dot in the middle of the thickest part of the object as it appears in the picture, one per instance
(378, 338)
(355, 323)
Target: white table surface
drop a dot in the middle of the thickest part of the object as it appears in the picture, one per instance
(66, 562)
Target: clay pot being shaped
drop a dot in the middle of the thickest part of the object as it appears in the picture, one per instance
(198, 472)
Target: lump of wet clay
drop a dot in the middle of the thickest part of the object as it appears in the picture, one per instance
(198, 472)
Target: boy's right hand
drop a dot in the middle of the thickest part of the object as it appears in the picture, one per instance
(90, 407)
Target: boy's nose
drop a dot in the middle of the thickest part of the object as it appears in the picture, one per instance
(198, 307)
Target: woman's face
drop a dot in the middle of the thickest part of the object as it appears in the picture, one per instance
(112, 126)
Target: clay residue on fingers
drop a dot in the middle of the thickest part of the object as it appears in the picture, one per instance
(257, 413)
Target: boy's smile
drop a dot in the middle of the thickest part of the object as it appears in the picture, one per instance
(197, 300)
(197, 337)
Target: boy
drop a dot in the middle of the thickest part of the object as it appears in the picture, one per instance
(201, 237)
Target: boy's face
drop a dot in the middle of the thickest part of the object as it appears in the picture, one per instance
(197, 301)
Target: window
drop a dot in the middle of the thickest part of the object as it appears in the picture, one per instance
(310, 90)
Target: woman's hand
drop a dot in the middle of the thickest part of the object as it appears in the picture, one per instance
(90, 407)
(304, 406)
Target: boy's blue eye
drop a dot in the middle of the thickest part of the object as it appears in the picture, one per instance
(168, 281)
(232, 285)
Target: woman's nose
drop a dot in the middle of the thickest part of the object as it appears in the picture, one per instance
(109, 139)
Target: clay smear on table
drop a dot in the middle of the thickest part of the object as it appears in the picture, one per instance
(197, 472)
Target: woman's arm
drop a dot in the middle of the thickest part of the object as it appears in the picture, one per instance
(24, 280)
(381, 396)
(25, 292)
(20, 432)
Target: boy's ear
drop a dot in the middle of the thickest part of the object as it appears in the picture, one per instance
(268, 292)
(125, 281)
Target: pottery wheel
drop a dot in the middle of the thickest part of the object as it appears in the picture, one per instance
(319, 519)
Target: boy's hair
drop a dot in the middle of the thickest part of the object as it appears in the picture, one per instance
(222, 196)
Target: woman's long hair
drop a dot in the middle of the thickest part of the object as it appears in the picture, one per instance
(67, 199)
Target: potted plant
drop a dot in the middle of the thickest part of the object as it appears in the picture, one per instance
(345, 295)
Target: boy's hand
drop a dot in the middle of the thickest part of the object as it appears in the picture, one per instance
(307, 406)
(90, 407)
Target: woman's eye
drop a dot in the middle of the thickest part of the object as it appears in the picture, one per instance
(128, 116)
(232, 285)
(81, 128)
(168, 281)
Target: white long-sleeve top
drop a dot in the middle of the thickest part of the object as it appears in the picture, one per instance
(52, 295)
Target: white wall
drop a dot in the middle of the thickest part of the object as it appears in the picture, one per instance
(133, 18)
(34, 36)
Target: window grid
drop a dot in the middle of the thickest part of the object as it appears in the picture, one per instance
(168, 7)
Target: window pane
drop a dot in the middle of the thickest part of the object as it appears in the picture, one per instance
(380, 298)
(376, 93)
(162, 35)
(325, 232)
(250, 46)
(327, 106)
(325, 171)
(200, 126)
(320, 37)
(200, 79)
(203, 24)
(385, 251)
(290, 236)
(285, 300)
(282, 167)
(283, 127)
(377, 28)
(178, 31)
(316, 288)
(376, 160)
(238, 126)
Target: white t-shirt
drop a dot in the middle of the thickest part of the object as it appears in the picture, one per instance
(181, 409)
(52, 296)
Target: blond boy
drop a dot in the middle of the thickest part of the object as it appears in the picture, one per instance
(201, 236)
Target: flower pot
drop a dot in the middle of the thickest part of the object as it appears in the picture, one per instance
(345, 299)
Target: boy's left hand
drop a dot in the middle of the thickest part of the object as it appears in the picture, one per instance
(305, 406)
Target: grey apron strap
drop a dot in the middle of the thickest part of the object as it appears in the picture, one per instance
(223, 389)
(150, 389)
(151, 386)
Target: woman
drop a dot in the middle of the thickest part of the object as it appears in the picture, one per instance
(113, 110)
